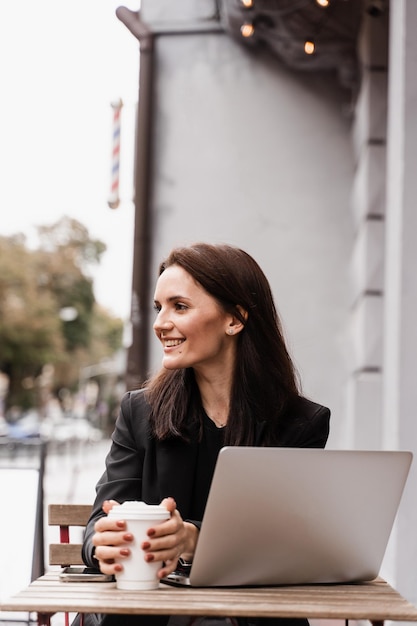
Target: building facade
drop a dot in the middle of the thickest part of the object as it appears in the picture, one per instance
(315, 180)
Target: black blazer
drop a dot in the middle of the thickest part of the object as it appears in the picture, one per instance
(140, 468)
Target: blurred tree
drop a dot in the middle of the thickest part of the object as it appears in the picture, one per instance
(48, 312)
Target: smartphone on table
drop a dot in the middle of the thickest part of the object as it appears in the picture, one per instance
(84, 574)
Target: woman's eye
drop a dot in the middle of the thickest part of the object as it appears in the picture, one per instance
(157, 307)
(180, 307)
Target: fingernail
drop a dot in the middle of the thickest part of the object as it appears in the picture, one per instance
(146, 545)
(128, 537)
(151, 532)
(118, 567)
(121, 523)
(125, 552)
(149, 558)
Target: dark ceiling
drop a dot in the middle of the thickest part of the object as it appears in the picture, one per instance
(284, 26)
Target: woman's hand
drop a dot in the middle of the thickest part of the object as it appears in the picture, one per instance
(170, 540)
(166, 541)
(111, 541)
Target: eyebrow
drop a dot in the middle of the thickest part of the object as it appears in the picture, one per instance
(172, 298)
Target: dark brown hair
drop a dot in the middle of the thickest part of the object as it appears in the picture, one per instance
(264, 378)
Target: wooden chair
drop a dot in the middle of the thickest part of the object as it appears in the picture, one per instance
(66, 516)
(66, 553)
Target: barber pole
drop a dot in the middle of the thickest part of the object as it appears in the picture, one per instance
(114, 199)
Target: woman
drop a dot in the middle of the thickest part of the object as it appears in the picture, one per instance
(226, 379)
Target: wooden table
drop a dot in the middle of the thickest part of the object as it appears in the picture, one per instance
(375, 601)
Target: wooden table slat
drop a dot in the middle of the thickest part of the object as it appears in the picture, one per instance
(375, 600)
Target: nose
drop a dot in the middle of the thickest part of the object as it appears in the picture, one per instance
(162, 322)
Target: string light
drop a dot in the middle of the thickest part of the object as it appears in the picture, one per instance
(247, 30)
(309, 47)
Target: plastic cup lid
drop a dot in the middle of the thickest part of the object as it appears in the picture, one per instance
(140, 510)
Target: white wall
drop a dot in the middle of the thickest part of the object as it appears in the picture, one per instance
(249, 153)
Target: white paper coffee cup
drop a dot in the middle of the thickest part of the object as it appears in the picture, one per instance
(139, 517)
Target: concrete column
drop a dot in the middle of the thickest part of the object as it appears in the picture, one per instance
(400, 336)
(364, 399)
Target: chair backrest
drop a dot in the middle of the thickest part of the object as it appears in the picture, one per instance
(66, 553)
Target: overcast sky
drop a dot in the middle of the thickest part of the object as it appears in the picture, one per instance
(62, 64)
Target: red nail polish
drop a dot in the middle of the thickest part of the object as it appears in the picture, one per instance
(128, 537)
(124, 552)
(151, 532)
(146, 545)
(149, 558)
(121, 523)
(118, 567)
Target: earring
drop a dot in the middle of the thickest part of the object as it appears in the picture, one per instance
(230, 331)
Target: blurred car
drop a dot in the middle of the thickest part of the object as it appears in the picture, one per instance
(25, 427)
(69, 429)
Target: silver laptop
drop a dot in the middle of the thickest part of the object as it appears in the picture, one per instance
(285, 516)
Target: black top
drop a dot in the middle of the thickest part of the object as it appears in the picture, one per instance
(209, 448)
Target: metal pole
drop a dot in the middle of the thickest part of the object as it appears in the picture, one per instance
(138, 352)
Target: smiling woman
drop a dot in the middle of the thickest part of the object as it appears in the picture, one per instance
(226, 379)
